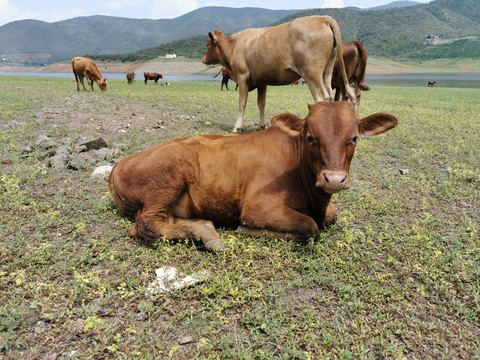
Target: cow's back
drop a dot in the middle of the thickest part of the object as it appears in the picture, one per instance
(296, 45)
(81, 64)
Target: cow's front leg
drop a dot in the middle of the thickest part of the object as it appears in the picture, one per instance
(242, 104)
(283, 221)
(261, 101)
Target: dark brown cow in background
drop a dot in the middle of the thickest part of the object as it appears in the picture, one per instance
(225, 78)
(130, 77)
(86, 68)
(152, 76)
(355, 59)
(305, 47)
(280, 179)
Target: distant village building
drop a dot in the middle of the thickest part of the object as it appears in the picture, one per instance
(171, 56)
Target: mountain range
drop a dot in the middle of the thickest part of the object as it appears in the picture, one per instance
(398, 29)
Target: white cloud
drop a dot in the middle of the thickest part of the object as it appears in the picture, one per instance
(9, 13)
(168, 9)
(333, 4)
(120, 4)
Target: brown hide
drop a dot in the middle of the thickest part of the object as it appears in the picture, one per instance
(152, 76)
(305, 47)
(130, 77)
(355, 59)
(280, 179)
(86, 68)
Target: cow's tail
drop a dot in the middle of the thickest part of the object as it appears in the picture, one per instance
(219, 71)
(338, 43)
(363, 64)
(139, 230)
(124, 205)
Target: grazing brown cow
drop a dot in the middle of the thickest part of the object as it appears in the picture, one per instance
(305, 47)
(431, 83)
(152, 76)
(225, 78)
(130, 77)
(355, 59)
(86, 68)
(280, 179)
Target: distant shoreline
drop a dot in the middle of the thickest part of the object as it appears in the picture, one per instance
(375, 66)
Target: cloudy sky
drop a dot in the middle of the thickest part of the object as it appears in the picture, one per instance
(56, 10)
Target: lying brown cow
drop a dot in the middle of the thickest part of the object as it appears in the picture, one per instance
(305, 47)
(130, 77)
(152, 76)
(280, 179)
(355, 59)
(86, 68)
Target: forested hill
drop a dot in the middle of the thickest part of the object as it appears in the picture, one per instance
(412, 32)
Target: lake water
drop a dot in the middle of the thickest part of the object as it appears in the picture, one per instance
(442, 80)
(418, 80)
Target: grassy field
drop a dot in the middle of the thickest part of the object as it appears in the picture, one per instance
(397, 277)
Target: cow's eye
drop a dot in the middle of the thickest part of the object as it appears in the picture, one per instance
(310, 140)
(354, 141)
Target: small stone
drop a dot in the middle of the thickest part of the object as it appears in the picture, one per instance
(140, 316)
(45, 142)
(185, 340)
(404, 171)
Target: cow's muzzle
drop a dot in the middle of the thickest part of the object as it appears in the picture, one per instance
(333, 181)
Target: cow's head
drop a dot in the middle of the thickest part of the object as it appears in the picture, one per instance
(213, 55)
(328, 137)
(102, 84)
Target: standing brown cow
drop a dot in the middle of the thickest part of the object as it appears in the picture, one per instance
(86, 68)
(355, 59)
(152, 76)
(305, 47)
(280, 179)
(225, 78)
(130, 77)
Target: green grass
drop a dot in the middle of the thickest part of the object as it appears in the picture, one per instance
(397, 277)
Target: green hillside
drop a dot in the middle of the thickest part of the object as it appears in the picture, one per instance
(395, 33)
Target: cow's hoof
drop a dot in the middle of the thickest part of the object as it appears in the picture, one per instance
(213, 245)
(330, 215)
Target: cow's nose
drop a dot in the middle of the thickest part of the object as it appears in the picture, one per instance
(333, 182)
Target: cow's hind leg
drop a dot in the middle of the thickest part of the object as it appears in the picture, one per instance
(261, 101)
(315, 84)
(83, 84)
(152, 224)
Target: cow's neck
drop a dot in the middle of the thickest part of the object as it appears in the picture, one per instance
(227, 46)
(316, 199)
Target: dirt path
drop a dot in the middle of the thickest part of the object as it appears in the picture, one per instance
(187, 67)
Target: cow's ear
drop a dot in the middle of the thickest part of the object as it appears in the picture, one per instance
(376, 124)
(210, 35)
(289, 124)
